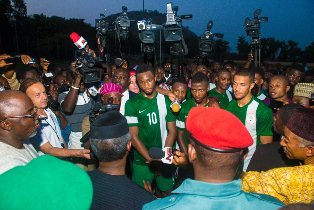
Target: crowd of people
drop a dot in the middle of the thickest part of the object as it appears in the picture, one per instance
(217, 136)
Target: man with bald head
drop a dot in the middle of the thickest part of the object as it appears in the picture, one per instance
(18, 122)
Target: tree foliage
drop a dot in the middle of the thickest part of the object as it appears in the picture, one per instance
(39, 35)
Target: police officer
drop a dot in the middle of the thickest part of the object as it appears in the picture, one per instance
(216, 156)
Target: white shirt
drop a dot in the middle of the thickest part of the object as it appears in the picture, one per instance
(125, 97)
(11, 157)
(49, 131)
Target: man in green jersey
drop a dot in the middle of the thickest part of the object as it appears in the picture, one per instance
(199, 85)
(252, 112)
(152, 124)
(220, 91)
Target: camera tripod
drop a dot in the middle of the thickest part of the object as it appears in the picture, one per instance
(256, 49)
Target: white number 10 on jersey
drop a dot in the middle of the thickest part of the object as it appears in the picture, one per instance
(152, 117)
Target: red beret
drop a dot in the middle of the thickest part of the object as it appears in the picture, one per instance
(217, 129)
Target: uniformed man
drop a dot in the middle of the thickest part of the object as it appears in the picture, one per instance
(152, 124)
(252, 112)
(221, 91)
(219, 142)
(199, 85)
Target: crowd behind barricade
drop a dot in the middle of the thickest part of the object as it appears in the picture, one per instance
(219, 136)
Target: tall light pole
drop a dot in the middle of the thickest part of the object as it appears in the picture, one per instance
(143, 5)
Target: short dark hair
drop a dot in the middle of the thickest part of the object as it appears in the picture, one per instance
(220, 71)
(27, 83)
(108, 150)
(281, 77)
(199, 77)
(145, 68)
(215, 160)
(259, 71)
(245, 73)
(180, 80)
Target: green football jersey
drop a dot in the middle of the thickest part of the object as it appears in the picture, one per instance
(151, 117)
(264, 117)
(183, 114)
(224, 98)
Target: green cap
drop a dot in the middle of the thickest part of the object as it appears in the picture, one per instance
(46, 183)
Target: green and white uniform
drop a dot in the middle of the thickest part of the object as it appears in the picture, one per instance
(181, 119)
(257, 118)
(224, 98)
(151, 117)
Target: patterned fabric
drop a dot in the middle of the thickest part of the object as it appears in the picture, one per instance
(288, 184)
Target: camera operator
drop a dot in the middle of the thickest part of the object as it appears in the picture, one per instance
(111, 95)
(76, 104)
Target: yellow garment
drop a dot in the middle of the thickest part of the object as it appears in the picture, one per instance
(288, 184)
(13, 82)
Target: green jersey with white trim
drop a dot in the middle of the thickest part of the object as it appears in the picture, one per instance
(181, 119)
(151, 117)
(257, 118)
(224, 98)
(264, 116)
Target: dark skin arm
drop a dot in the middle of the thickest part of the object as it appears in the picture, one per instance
(172, 133)
(70, 100)
(137, 144)
(63, 121)
(181, 142)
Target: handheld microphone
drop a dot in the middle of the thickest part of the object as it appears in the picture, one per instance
(78, 40)
(156, 153)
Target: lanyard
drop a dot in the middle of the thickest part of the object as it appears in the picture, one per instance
(54, 128)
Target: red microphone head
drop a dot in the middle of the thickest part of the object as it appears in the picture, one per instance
(78, 40)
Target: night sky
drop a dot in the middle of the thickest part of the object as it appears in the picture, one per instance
(288, 19)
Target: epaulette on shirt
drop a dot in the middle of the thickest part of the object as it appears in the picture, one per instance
(264, 197)
(165, 203)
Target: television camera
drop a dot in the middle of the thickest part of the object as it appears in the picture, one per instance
(253, 26)
(102, 28)
(253, 29)
(173, 31)
(207, 40)
(122, 24)
(147, 37)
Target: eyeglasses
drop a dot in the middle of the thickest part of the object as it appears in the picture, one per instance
(33, 115)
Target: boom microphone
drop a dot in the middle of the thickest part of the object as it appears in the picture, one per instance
(78, 40)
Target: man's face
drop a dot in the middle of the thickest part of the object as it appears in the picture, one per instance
(291, 146)
(121, 77)
(295, 76)
(216, 66)
(111, 98)
(241, 86)
(199, 92)
(179, 90)
(277, 88)
(24, 128)
(61, 80)
(147, 83)
(160, 72)
(200, 68)
(258, 79)
(38, 95)
(223, 80)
